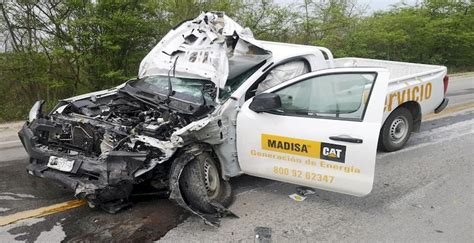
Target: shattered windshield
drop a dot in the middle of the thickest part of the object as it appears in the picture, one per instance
(234, 83)
(195, 89)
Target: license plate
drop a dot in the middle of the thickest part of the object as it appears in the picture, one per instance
(61, 164)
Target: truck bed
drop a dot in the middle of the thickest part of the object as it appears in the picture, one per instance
(398, 70)
(405, 79)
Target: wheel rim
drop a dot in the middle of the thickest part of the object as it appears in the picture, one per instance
(211, 179)
(398, 129)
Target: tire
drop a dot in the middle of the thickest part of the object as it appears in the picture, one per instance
(201, 182)
(396, 130)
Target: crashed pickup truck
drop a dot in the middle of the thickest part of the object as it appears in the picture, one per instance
(211, 103)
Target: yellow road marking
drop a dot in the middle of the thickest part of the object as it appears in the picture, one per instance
(448, 111)
(39, 212)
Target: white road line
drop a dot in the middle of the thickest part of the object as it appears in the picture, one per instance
(438, 135)
(10, 142)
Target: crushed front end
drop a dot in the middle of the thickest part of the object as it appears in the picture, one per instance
(101, 146)
(148, 130)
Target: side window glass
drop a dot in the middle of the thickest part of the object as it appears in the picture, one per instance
(336, 95)
(283, 73)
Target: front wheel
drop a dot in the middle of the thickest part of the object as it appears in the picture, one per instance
(396, 130)
(201, 183)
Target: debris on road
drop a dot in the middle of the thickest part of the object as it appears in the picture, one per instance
(263, 235)
(305, 191)
(301, 193)
(297, 197)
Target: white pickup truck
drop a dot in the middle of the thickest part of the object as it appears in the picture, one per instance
(211, 103)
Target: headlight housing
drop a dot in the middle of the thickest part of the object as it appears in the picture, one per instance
(35, 110)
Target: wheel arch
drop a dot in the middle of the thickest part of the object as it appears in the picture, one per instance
(201, 147)
(193, 196)
(415, 110)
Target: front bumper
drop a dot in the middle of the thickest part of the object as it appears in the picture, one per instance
(98, 180)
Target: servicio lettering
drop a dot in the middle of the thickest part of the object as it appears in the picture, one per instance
(416, 93)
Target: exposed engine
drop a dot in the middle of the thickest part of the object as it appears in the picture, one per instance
(102, 147)
(95, 127)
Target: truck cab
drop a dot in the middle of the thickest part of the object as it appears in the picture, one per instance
(321, 119)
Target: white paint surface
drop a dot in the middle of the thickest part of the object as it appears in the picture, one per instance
(6, 236)
(56, 234)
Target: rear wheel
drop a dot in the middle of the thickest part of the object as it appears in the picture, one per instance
(201, 183)
(396, 130)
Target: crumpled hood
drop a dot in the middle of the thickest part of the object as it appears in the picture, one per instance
(211, 46)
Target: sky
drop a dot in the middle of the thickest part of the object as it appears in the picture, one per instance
(373, 5)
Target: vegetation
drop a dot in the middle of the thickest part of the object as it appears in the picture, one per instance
(55, 49)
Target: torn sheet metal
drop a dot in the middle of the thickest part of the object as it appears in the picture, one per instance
(211, 46)
(211, 130)
(168, 148)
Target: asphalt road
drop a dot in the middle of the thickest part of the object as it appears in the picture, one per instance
(461, 89)
(421, 193)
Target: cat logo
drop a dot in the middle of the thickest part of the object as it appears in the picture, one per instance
(333, 152)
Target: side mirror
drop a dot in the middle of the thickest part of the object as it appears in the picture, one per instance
(265, 102)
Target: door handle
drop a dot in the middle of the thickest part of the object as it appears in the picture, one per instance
(346, 139)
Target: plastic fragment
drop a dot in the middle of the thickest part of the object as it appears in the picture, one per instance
(305, 191)
(297, 197)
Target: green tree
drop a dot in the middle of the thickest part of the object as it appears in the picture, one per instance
(438, 32)
(59, 48)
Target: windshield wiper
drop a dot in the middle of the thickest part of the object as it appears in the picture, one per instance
(170, 86)
(139, 97)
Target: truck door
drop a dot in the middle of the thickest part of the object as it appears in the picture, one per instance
(318, 130)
